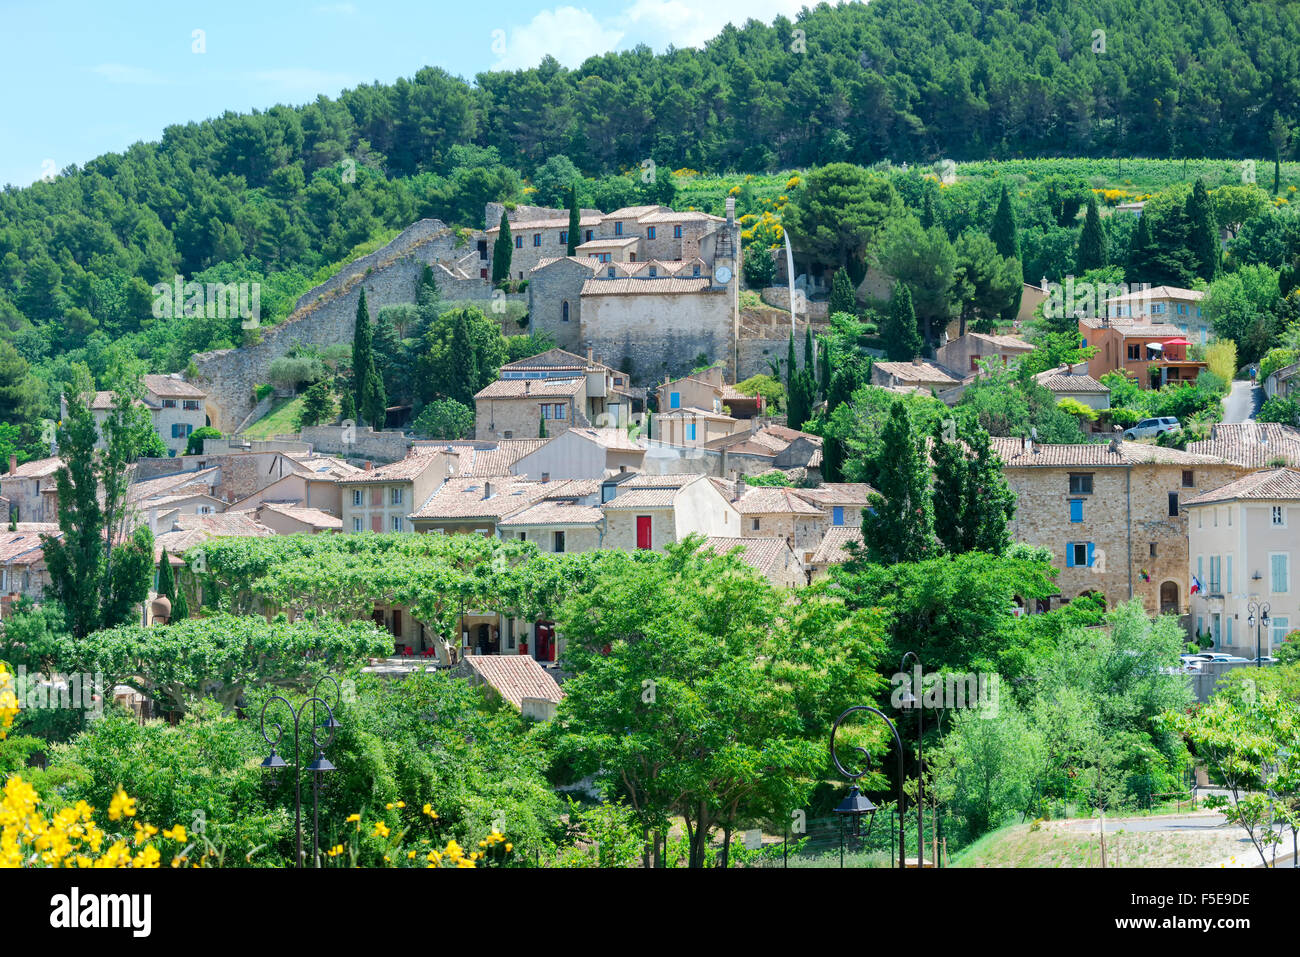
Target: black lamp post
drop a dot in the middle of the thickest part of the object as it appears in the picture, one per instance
(911, 699)
(856, 804)
(1258, 617)
(319, 765)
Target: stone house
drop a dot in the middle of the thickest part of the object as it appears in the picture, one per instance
(1111, 514)
(516, 408)
(965, 353)
(773, 511)
(833, 550)
(707, 390)
(23, 573)
(1073, 382)
(31, 489)
(177, 408)
(380, 500)
(1284, 382)
(1137, 347)
(538, 232)
(474, 505)
(566, 518)
(770, 557)
(690, 426)
(1243, 551)
(1255, 445)
(583, 453)
(296, 519)
(1172, 305)
(917, 374)
(651, 511)
(841, 503)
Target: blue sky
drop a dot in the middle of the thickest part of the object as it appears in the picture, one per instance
(84, 78)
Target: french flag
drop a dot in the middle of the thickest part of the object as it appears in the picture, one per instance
(1196, 585)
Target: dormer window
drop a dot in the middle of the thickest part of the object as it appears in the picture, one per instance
(653, 272)
(609, 273)
(618, 229)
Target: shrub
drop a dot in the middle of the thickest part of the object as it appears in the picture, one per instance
(1280, 409)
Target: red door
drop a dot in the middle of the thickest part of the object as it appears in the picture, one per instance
(643, 531)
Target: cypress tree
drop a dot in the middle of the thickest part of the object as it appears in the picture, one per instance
(1003, 230)
(1203, 238)
(375, 400)
(928, 215)
(1092, 241)
(541, 427)
(180, 606)
(502, 250)
(808, 354)
(972, 501)
(575, 222)
(1140, 253)
(825, 361)
(362, 354)
(166, 579)
(843, 296)
(898, 525)
(901, 337)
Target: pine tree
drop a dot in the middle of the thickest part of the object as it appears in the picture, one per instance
(843, 296)
(901, 337)
(972, 501)
(1092, 241)
(362, 354)
(929, 217)
(502, 250)
(898, 525)
(575, 222)
(1203, 237)
(427, 303)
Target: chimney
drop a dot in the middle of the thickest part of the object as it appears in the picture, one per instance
(916, 360)
(1115, 439)
(527, 385)
(735, 485)
(487, 490)
(368, 466)
(1214, 434)
(590, 356)
(13, 463)
(546, 476)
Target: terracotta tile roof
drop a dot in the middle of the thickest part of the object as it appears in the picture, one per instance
(308, 516)
(562, 222)
(17, 548)
(586, 261)
(550, 359)
(459, 498)
(764, 555)
(195, 481)
(663, 285)
(1270, 485)
(836, 493)
(636, 212)
(515, 677)
(551, 512)
(1253, 444)
(1159, 292)
(232, 524)
(774, 500)
(572, 488)
(172, 388)
(321, 466)
(488, 459)
(1003, 342)
(832, 550)
(644, 480)
(1059, 380)
(612, 438)
(38, 468)
(531, 388)
(1094, 454)
(405, 470)
(684, 216)
(917, 372)
(644, 498)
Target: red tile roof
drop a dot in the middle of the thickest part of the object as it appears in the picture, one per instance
(515, 677)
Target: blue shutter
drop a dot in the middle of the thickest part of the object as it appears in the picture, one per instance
(675, 400)
(1069, 554)
(837, 515)
(1076, 510)
(1090, 554)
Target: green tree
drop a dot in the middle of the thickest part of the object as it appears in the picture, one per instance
(373, 409)
(362, 355)
(1092, 241)
(575, 223)
(445, 419)
(898, 525)
(502, 249)
(923, 260)
(972, 501)
(1203, 232)
(166, 578)
(99, 569)
(838, 214)
(20, 402)
(1006, 240)
(984, 284)
(317, 405)
(901, 338)
(844, 297)
(1279, 136)
(195, 444)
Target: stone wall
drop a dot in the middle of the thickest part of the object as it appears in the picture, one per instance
(364, 442)
(650, 335)
(325, 315)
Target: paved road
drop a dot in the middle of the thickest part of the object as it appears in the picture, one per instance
(1242, 402)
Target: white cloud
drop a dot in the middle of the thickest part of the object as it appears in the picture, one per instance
(121, 73)
(572, 35)
(566, 33)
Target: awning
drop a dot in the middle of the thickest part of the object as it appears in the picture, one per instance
(1155, 347)
(1177, 342)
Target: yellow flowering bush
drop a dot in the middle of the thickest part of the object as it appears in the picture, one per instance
(70, 837)
(428, 851)
(8, 700)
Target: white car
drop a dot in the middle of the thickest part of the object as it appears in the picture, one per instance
(1152, 428)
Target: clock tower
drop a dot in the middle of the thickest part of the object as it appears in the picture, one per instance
(726, 275)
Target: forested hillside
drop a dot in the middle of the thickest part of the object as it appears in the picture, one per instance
(284, 196)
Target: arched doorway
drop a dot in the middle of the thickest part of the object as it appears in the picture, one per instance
(1169, 604)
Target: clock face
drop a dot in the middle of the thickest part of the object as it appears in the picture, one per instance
(723, 275)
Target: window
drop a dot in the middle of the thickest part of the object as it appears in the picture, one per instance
(837, 515)
(356, 523)
(560, 411)
(1081, 483)
(677, 232)
(1157, 308)
(1279, 573)
(1134, 351)
(395, 496)
(618, 229)
(1173, 503)
(1215, 583)
(1189, 478)
(1227, 577)
(654, 271)
(690, 432)
(546, 410)
(397, 523)
(588, 235)
(564, 237)
(649, 232)
(558, 542)
(564, 311)
(603, 258)
(674, 400)
(1279, 516)
(609, 273)
(358, 497)
(1279, 629)
(753, 525)
(190, 405)
(695, 271)
(1076, 510)
(1153, 550)
(519, 242)
(169, 403)
(1078, 554)
(537, 239)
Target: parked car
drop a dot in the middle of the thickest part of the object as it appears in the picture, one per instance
(1153, 428)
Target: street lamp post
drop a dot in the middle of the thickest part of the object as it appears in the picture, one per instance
(1258, 617)
(856, 804)
(912, 699)
(318, 766)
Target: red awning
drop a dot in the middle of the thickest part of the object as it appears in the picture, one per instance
(1177, 342)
